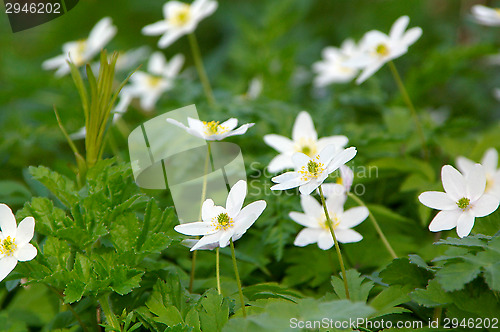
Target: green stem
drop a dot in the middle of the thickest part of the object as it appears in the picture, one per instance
(203, 194)
(108, 312)
(376, 225)
(217, 269)
(70, 308)
(337, 247)
(238, 281)
(409, 103)
(195, 49)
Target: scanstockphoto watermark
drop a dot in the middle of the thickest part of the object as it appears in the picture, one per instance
(260, 183)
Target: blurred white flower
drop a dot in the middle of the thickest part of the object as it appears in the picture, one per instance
(376, 48)
(254, 89)
(311, 172)
(160, 77)
(315, 221)
(462, 201)
(490, 165)
(486, 15)
(82, 51)
(14, 241)
(213, 130)
(180, 19)
(343, 183)
(304, 139)
(333, 68)
(221, 224)
(132, 58)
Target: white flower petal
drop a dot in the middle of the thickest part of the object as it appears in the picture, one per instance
(339, 141)
(485, 205)
(309, 187)
(490, 160)
(230, 124)
(243, 224)
(353, 217)
(279, 143)
(304, 127)
(347, 235)
(154, 29)
(325, 240)
(235, 199)
(307, 236)
(280, 163)
(288, 184)
(55, 62)
(311, 206)
(224, 238)
(464, 164)
(25, 253)
(437, 200)
(25, 231)
(7, 264)
(475, 182)
(445, 220)
(196, 228)
(304, 219)
(207, 240)
(156, 63)
(369, 71)
(465, 224)
(299, 159)
(453, 182)
(8, 224)
(255, 208)
(208, 211)
(240, 131)
(327, 153)
(341, 158)
(399, 27)
(411, 36)
(169, 37)
(174, 66)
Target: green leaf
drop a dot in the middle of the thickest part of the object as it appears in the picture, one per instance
(387, 300)
(62, 187)
(432, 296)
(270, 290)
(74, 291)
(213, 310)
(359, 287)
(402, 272)
(454, 276)
(124, 279)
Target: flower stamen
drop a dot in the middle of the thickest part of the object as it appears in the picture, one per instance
(307, 146)
(222, 222)
(463, 203)
(382, 50)
(8, 246)
(312, 170)
(181, 16)
(214, 128)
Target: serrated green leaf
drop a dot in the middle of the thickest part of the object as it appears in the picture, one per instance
(402, 272)
(359, 287)
(62, 187)
(454, 276)
(213, 310)
(432, 296)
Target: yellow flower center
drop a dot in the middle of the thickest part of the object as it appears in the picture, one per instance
(312, 170)
(77, 55)
(222, 222)
(463, 203)
(335, 221)
(214, 128)
(489, 182)
(181, 17)
(382, 50)
(339, 181)
(307, 146)
(8, 246)
(154, 81)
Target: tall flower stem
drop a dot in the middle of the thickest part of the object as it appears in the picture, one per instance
(203, 195)
(238, 281)
(337, 247)
(195, 49)
(409, 103)
(376, 225)
(108, 312)
(217, 269)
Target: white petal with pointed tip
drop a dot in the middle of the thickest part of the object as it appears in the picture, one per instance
(437, 200)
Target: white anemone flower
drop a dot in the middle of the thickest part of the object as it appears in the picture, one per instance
(180, 19)
(490, 165)
(212, 130)
(462, 201)
(304, 139)
(160, 77)
(333, 68)
(377, 48)
(82, 51)
(315, 221)
(486, 15)
(14, 241)
(220, 224)
(311, 172)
